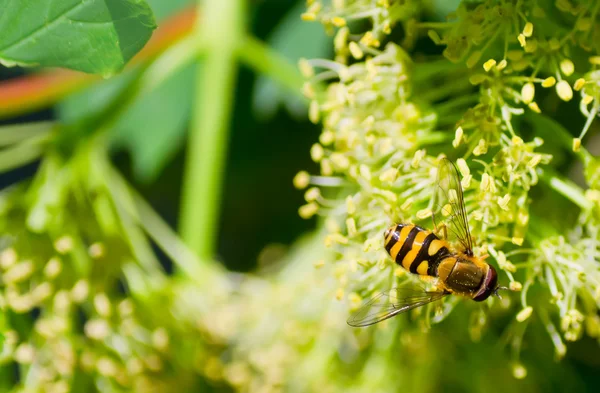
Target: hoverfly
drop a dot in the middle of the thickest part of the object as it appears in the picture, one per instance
(458, 271)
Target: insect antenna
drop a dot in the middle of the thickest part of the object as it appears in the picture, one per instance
(500, 289)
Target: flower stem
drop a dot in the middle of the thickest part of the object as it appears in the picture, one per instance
(262, 59)
(567, 189)
(221, 29)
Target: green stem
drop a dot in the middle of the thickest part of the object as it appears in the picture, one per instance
(550, 129)
(434, 138)
(460, 86)
(23, 153)
(158, 230)
(262, 59)
(452, 106)
(15, 133)
(566, 188)
(221, 29)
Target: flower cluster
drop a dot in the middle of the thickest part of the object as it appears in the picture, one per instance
(525, 47)
(383, 15)
(381, 143)
(80, 302)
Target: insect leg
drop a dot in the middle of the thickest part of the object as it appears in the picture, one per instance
(443, 229)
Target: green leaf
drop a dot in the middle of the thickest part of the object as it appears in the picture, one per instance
(294, 39)
(94, 36)
(153, 129)
(95, 99)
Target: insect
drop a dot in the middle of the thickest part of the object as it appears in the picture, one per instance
(420, 251)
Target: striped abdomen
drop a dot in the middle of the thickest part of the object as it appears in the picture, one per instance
(416, 249)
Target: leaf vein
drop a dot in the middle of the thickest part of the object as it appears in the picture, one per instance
(43, 27)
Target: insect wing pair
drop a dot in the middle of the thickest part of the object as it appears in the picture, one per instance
(449, 212)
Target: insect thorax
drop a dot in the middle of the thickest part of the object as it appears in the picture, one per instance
(462, 276)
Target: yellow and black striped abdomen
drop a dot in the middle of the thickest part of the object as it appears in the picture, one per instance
(416, 249)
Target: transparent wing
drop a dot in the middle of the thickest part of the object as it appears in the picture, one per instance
(449, 206)
(393, 302)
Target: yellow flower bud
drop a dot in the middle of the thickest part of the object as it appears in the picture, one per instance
(317, 152)
(351, 226)
(535, 160)
(528, 92)
(308, 210)
(524, 314)
(340, 160)
(516, 140)
(567, 67)
(503, 202)
(458, 136)
(549, 82)
(389, 175)
(306, 69)
(519, 371)
(517, 241)
(515, 286)
(587, 100)
(338, 21)
(485, 182)
(481, 148)
(350, 205)
(528, 29)
(463, 167)
(312, 194)
(301, 180)
(534, 107)
(308, 17)
(487, 66)
(564, 91)
(314, 113)
(579, 83)
(422, 214)
(473, 58)
(407, 204)
(355, 50)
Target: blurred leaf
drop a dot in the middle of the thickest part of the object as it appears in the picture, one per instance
(22, 144)
(154, 127)
(293, 39)
(441, 8)
(94, 36)
(164, 8)
(21, 154)
(95, 99)
(15, 133)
